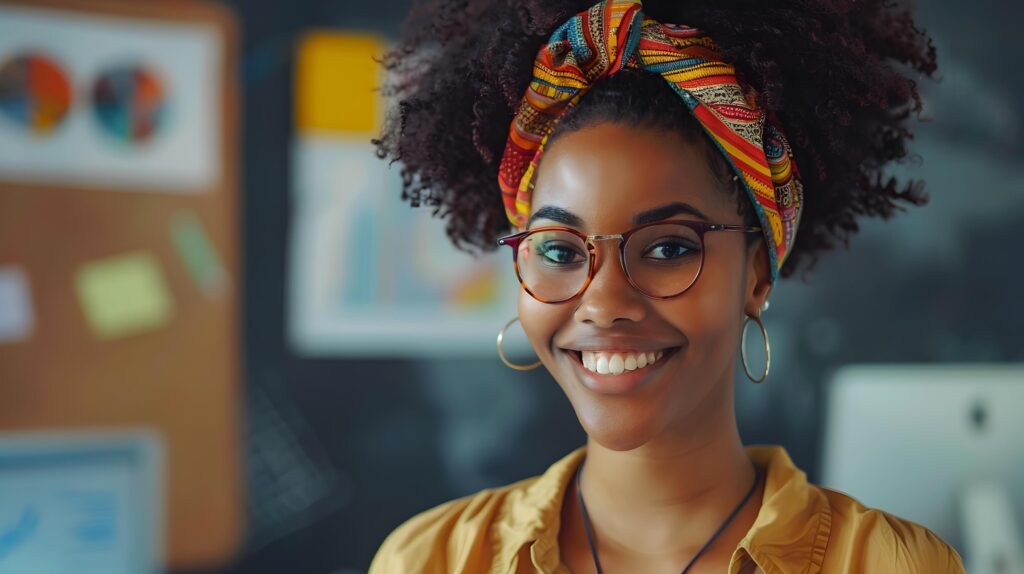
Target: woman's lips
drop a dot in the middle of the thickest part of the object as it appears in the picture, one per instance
(617, 372)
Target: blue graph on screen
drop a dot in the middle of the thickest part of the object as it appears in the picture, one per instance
(16, 535)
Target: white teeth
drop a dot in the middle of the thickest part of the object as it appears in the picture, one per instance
(618, 363)
(631, 363)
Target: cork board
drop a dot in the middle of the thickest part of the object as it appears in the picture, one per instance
(94, 356)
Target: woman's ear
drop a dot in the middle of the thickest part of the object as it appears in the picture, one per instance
(759, 279)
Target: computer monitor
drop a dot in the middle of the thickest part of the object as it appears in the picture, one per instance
(83, 502)
(941, 445)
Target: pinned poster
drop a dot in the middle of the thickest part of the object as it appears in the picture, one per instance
(109, 102)
(124, 295)
(16, 316)
(196, 249)
(369, 275)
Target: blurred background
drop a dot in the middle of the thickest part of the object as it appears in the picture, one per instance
(202, 369)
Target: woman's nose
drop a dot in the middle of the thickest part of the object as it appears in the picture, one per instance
(610, 297)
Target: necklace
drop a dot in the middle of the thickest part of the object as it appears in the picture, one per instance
(590, 531)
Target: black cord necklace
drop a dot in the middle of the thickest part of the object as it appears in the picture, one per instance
(590, 531)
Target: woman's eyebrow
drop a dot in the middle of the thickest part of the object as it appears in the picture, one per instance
(556, 214)
(566, 217)
(667, 211)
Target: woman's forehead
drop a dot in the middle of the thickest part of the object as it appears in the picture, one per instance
(611, 172)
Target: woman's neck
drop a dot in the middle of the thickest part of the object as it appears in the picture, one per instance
(662, 501)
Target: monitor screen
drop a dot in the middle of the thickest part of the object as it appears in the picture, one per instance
(922, 441)
(80, 502)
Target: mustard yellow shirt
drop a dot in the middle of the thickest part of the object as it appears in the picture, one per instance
(800, 528)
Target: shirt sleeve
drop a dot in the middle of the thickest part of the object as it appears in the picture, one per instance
(451, 537)
(923, 551)
(940, 558)
(420, 543)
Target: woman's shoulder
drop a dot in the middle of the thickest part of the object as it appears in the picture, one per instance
(883, 542)
(477, 531)
(452, 536)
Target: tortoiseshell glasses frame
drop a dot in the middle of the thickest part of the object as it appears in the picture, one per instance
(692, 230)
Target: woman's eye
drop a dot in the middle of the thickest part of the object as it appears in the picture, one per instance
(559, 253)
(669, 250)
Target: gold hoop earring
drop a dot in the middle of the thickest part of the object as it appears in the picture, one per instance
(501, 352)
(767, 348)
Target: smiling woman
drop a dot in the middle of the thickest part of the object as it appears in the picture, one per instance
(647, 178)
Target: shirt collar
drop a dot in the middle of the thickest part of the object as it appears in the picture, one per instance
(789, 534)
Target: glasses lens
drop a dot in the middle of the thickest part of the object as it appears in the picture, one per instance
(664, 260)
(553, 265)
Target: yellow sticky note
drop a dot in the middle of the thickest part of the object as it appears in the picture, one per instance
(337, 81)
(124, 295)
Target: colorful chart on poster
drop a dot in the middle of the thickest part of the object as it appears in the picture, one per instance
(35, 92)
(101, 102)
(130, 103)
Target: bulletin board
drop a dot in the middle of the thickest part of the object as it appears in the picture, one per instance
(119, 241)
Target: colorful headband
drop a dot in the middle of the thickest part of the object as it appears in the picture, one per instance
(614, 34)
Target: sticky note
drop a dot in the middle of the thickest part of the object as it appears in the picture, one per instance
(337, 81)
(124, 295)
(196, 249)
(17, 319)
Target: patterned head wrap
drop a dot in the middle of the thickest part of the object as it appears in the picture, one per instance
(614, 34)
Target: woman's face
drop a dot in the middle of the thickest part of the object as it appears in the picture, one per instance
(601, 179)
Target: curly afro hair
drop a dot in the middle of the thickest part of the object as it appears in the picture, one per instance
(838, 75)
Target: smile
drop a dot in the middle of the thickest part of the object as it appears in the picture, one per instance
(617, 371)
(611, 363)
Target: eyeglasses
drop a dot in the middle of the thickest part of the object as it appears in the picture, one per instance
(662, 260)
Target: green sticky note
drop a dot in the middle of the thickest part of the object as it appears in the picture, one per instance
(124, 295)
(197, 251)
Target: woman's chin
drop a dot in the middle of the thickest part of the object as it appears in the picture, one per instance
(616, 421)
(615, 429)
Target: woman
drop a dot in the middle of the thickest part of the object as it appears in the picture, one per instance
(646, 158)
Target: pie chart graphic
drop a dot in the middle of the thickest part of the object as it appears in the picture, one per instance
(35, 92)
(129, 103)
